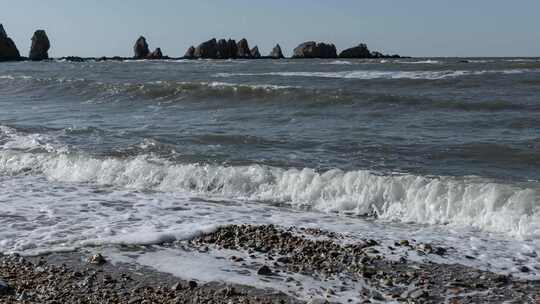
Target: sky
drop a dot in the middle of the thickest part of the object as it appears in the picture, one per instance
(417, 28)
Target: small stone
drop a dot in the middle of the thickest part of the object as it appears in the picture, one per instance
(135, 300)
(96, 259)
(5, 289)
(264, 270)
(417, 294)
(192, 284)
(377, 296)
(284, 260)
(524, 269)
(404, 243)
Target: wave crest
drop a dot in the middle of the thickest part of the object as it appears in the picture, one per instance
(470, 201)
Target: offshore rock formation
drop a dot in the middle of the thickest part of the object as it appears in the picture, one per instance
(311, 49)
(8, 49)
(140, 48)
(190, 53)
(276, 53)
(40, 46)
(207, 50)
(227, 49)
(222, 49)
(362, 51)
(243, 49)
(156, 54)
(142, 51)
(255, 52)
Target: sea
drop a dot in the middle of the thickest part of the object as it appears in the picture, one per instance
(96, 156)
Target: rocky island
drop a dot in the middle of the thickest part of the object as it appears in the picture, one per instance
(211, 49)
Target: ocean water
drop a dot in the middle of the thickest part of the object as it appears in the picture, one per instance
(147, 152)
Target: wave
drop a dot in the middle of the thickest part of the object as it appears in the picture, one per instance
(523, 60)
(429, 61)
(338, 62)
(373, 74)
(170, 91)
(471, 202)
(96, 91)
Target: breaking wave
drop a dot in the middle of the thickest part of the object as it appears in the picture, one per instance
(372, 74)
(470, 202)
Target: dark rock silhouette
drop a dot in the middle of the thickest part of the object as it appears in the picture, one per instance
(311, 49)
(362, 51)
(8, 49)
(208, 49)
(233, 48)
(359, 51)
(276, 52)
(255, 52)
(40, 46)
(190, 53)
(141, 48)
(243, 49)
(227, 49)
(156, 54)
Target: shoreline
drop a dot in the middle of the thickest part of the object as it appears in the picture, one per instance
(280, 253)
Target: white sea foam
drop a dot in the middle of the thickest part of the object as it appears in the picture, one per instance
(338, 62)
(468, 202)
(374, 74)
(429, 61)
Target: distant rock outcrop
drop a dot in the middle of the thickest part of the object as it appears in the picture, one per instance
(233, 48)
(207, 49)
(227, 49)
(8, 49)
(222, 49)
(190, 53)
(140, 49)
(359, 51)
(311, 49)
(156, 54)
(255, 52)
(40, 46)
(276, 52)
(243, 49)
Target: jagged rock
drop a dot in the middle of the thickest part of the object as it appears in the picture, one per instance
(359, 51)
(40, 46)
(311, 49)
(377, 55)
(8, 49)
(208, 49)
(141, 48)
(243, 49)
(276, 52)
(156, 54)
(233, 48)
(190, 53)
(255, 52)
(227, 49)
(223, 52)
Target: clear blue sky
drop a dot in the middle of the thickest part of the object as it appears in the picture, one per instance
(407, 27)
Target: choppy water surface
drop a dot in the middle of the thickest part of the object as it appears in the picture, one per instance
(150, 152)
